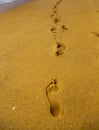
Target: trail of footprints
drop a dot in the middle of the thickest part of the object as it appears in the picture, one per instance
(60, 47)
(52, 89)
(51, 92)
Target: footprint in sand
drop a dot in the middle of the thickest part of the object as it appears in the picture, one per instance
(53, 30)
(64, 28)
(52, 93)
(96, 33)
(59, 49)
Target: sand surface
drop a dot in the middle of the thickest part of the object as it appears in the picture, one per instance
(5, 5)
(8, 4)
(49, 66)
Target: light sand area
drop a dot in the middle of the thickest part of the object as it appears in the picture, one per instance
(49, 66)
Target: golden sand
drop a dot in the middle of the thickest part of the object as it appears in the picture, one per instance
(49, 66)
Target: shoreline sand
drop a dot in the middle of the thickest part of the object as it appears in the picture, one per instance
(10, 5)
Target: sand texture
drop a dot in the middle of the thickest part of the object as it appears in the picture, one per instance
(49, 66)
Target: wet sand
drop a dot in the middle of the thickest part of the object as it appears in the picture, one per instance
(10, 5)
(49, 66)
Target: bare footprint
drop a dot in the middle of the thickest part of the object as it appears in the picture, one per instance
(52, 86)
(58, 2)
(64, 27)
(51, 91)
(56, 20)
(59, 49)
(53, 29)
(96, 33)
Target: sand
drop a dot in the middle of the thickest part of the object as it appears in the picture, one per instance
(49, 66)
(5, 5)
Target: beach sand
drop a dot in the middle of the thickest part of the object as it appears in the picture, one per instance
(49, 66)
(6, 5)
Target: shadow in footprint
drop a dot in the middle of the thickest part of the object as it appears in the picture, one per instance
(55, 109)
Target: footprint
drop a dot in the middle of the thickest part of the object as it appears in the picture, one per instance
(53, 29)
(52, 86)
(58, 2)
(51, 93)
(54, 11)
(56, 20)
(64, 27)
(96, 33)
(59, 49)
(54, 14)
